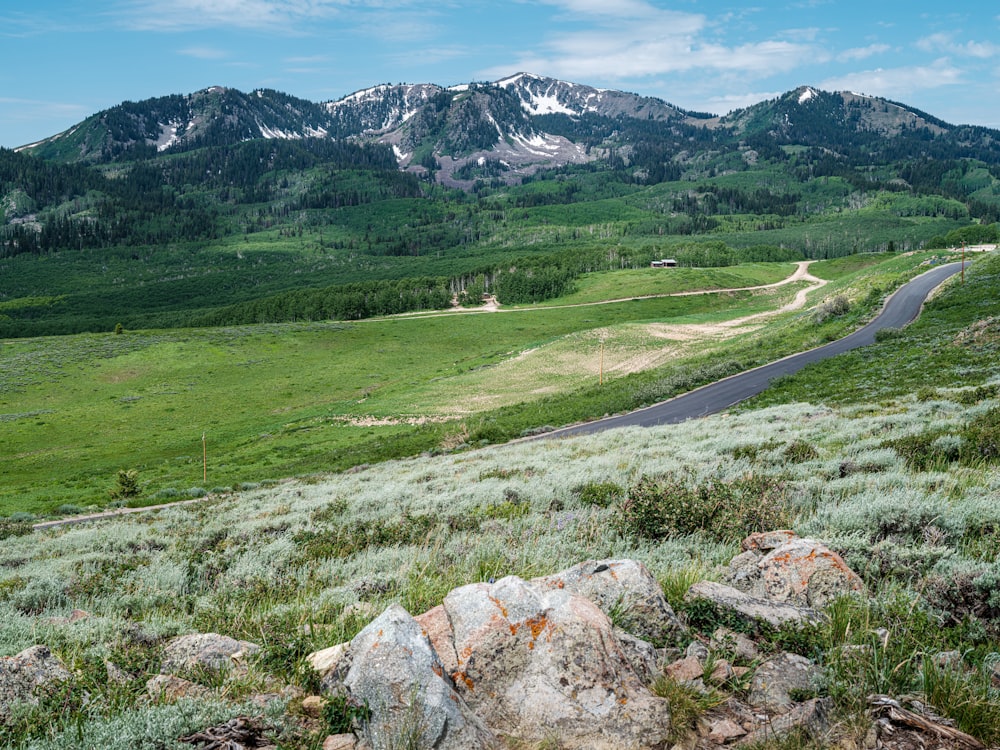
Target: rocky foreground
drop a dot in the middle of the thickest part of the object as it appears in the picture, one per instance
(591, 657)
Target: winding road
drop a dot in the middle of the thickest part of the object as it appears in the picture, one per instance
(901, 308)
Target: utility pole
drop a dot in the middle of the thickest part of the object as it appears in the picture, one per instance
(601, 378)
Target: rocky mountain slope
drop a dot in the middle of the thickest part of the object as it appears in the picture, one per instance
(506, 129)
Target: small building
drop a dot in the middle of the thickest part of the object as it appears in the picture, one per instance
(664, 263)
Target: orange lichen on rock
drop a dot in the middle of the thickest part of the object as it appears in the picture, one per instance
(537, 625)
(462, 677)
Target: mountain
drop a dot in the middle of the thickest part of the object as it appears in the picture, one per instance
(547, 96)
(508, 130)
(379, 109)
(211, 117)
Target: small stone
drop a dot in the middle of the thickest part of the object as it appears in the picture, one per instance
(685, 670)
(340, 742)
(722, 671)
(168, 688)
(765, 541)
(697, 650)
(115, 674)
(811, 716)
(326, 660)
(776, 679)
(740, 646)
(724, 730)
(25, 675)
(313, 706)
(947, 659)
(208, 650)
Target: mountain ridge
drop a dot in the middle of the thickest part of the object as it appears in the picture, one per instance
(507, 129)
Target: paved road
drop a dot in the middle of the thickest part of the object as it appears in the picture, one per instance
(901, 308)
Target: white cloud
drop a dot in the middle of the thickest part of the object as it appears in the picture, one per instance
(946, 43)
(801, 35)
(632, 39)
(897, 83)
(183, 15)
(202, 53)
(862, 53)
(728, 102)
(935, 42)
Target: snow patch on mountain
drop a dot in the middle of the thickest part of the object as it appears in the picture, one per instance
(806, 95)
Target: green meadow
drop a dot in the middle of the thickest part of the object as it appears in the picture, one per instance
(295, 399)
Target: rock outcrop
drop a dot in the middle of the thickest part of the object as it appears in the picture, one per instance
(535, 660)
(624, 590)
(783, 567)
(394, 671)
(206, 650)
(752, 609)
(571, 656)
(24, 676)
(526, 660)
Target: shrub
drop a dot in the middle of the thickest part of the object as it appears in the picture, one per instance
(889, 334)
(799, 450)
(975, 395)
(10, 527)
(726, 510)
(601, 494)
(126, 485)
(981, 437)
(831, 308)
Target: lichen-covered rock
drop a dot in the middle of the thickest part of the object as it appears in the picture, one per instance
(437, 626)
(743, 649)
(776, 680)
(750, 608)
(25, 675)
(641, 655)
(397, 674)
(783, 567)
(807, 572)
(812, 716)
(207, 650)
(765, 541)
(624, 590)
(536, 661)
(687, 669)
(167, 688)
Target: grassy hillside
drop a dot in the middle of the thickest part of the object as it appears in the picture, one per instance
(294, 399)
(300, 398)
(172, 240)
(331, 553)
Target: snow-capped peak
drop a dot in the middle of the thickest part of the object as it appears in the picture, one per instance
(807, 94)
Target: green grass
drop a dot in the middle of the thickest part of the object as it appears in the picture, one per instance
(271, 400)
(298, 399)
(650, 281)
(333, 552)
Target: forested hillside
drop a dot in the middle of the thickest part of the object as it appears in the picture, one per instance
(249, 210)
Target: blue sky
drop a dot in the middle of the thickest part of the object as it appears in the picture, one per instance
(62, 60)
